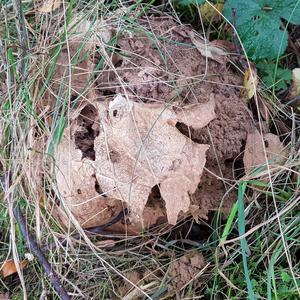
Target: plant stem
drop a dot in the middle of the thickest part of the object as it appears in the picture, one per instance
(33, 246)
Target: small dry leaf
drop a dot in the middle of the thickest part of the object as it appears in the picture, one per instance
(49, 6)
(197, 115)
(250, 83)
(208, 50)
(9, 267)
(227, 46)
(198, 213)
(4, 296)
(295, 87)
(255, 155)
(263, 109)
(133, 277)
(210, 12)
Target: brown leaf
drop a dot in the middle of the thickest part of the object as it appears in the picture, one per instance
(76, 183)
(210, 12)
(197, 213)
(197, 115)
(9, 267)
(49, 6)
(139, 149)
(255, 155)
(263, 109)
(295, 87)
(4, 296)
(208, 50)
(133, 277)
(227, 46)
(250, 83)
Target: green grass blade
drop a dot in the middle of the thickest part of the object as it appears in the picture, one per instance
(241, 227)
(13, 63)
(229, 222)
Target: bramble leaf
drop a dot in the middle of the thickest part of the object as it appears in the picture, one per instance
(273, 76)
(258, 23)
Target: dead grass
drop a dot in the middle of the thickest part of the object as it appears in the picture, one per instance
(265, 234)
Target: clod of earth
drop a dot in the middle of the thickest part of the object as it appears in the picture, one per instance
(151, 119)
(262, 149)
(185, 270)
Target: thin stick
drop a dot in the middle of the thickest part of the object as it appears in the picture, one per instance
(96, 229)
(33, 246)
(101, 229)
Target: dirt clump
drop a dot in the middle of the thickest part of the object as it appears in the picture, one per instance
(185, 269)
(154, 74)
(257, 153)
(171, 70)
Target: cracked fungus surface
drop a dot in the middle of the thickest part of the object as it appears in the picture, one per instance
(156, 114)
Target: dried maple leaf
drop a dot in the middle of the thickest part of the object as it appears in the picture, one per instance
(136, 148)
(139, 147)
(76, 184)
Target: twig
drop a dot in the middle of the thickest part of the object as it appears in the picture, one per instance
(101, 228)
(92, 230)
(116, 219)
(33, 246)
(22, 36)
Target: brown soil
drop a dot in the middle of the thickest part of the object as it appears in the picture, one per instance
(156, 70)
(184, 270)
(156, 62)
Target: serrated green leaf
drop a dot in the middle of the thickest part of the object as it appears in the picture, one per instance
(258, 23)
(273, 76)
(285, 277)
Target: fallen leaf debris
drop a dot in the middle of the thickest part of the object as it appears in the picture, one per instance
(151, 122)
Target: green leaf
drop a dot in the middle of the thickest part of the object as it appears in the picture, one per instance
(285, 277)
(273, 76)
(258, 23)
(189, 2)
